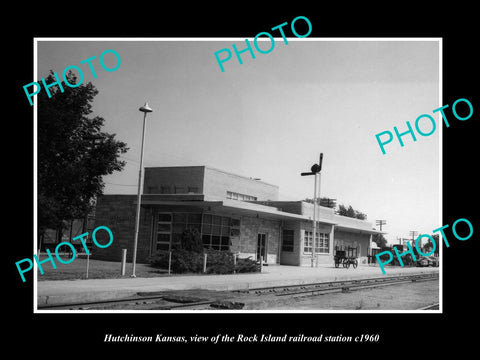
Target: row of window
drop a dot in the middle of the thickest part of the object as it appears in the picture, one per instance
(217, 231)
(167, 189)
(242, 197)
(322, 243)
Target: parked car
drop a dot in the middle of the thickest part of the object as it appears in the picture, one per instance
(427, 261)
(422, 261)
(433, 261)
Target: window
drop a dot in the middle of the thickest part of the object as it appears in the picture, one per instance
(165, 189)
(287, 240)
(164, 231)
(179, 190)
(322, 243)
(216, 232)
(234, 227)
(183, 221)
(307, 242)
(152, 189)
(242, 197)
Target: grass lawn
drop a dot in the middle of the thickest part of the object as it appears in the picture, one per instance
(97, 269)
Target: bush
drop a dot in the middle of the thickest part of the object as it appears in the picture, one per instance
(182, 260)
(219, 262)
(188, 261)
(247, 265)
(191, 240)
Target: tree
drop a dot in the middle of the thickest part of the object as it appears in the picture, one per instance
(73, 153)
(380, 240)
(350, 212)
(436, 239)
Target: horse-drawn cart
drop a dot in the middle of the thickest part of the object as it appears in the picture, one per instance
(345, 256)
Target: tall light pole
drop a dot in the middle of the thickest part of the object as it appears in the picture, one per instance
(145, 109)
(315, 170)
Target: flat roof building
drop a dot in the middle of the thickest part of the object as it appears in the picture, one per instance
(231, 212)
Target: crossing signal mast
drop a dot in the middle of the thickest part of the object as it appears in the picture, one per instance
(315, 171)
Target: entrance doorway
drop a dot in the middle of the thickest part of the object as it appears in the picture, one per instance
(262, 246)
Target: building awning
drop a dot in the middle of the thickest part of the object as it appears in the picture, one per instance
(358, 230)
(234, 207)
(268, 212)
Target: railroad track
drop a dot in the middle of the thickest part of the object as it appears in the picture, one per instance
(340, 286)
(435, 306)
(156, 302)
(236, 299)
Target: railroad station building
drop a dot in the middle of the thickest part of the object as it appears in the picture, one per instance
(231, 212)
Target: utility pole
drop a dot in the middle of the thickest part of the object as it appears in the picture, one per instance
(380, 223)
(413, 233)
(315, 169)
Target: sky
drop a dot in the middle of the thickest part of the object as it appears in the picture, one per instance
(272, 116)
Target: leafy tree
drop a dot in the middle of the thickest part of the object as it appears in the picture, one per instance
(380, 240)
(436, 237)
(350, 212)
(73, 153)
(360, 215)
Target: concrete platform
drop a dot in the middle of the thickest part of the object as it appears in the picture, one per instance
(80, 291)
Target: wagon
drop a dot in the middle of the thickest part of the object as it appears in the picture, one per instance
(346, 257)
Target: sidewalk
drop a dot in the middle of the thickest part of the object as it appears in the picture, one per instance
(80, 291)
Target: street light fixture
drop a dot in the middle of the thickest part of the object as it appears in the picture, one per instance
(145, 109)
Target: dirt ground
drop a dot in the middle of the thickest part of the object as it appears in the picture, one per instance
(408, 296)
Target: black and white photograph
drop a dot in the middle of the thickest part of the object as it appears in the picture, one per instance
(277, 179)
(262, 187)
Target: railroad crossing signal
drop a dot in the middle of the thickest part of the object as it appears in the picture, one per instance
(316, 168)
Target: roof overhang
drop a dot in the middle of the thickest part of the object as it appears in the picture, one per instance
(229, 206)
(358, 230)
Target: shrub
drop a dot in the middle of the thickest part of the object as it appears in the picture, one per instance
(182, 260)
(191, 240)
(247, 265)
(219, 262)
(189, 261)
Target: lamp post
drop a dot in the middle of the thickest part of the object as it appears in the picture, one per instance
(145, 109)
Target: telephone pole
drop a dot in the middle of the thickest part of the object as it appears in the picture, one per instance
(380, 223)
(413, 233)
